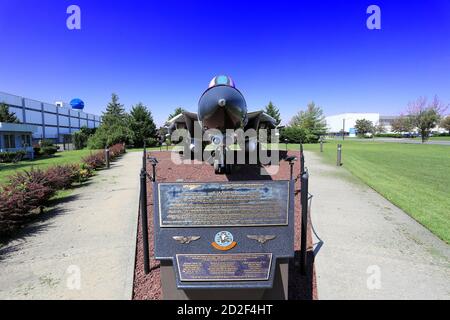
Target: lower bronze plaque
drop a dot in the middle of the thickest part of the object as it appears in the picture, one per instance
(224, 267)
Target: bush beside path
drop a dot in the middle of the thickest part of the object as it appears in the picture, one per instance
(82, 249)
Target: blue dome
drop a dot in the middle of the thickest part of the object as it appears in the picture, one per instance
(77, 104)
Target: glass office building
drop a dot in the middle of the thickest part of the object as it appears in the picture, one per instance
(54, 121)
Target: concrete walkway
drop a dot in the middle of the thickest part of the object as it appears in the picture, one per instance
(372, 249)
(83, 250)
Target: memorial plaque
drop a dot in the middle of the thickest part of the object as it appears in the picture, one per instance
(224, 267)
(228, 204)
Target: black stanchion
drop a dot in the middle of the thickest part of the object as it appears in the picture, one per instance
(302, 159)
(144, 158)
(108, 165)
(321, 144)
(154, 162)
(291, 161)
(304, 226)
(144, 220)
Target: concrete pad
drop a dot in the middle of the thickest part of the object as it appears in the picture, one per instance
(372, 249)
(85, 248)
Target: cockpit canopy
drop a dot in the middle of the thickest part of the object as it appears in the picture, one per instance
(221, 81)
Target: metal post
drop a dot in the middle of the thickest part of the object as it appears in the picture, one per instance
(304, 226)
(339, 155)
(107, 157)
(321, 144)
(286, 142)
(144, 220)
(343, 129)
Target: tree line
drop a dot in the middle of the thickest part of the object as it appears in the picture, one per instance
(118, 126)
(421, 116)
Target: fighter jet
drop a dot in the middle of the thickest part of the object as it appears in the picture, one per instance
(221, 108)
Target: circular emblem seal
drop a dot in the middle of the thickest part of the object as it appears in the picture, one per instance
(224, 241)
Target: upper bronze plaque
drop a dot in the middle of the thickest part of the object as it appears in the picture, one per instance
(229, 204)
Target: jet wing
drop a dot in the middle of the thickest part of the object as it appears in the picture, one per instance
(186, 120)
(260, 119)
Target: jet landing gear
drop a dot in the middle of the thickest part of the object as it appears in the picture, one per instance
(220, 165)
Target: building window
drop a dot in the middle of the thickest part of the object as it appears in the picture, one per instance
(26, 140)
(10, 141)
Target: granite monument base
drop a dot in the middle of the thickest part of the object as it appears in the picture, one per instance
(279, 291)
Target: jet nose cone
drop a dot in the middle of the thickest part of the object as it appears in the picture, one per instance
(222, 103)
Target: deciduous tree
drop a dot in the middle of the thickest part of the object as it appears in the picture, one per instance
(402, 124)
(364, 126)
(425, 116)
(312, 121)
(445, 123)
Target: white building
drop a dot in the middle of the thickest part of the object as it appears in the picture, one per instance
(346, 122)
(53, 121)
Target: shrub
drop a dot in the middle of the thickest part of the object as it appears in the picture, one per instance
(18, 201)
(35, 177)
(48, 151)
(95, 160)
(80, 138)
(389, 135)
(293, 134)
(116, 150)
(152, 142)
(60, 177)
(7, 157)
(107, 136)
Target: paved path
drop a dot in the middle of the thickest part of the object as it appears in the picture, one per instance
(93, 235)
(365, 236)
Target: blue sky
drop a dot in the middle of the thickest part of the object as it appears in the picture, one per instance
(164, 53)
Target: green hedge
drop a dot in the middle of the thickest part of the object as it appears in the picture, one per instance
(7, 157)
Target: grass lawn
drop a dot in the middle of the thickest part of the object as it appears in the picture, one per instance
(440, 138)
(415, 178)
(7, 169)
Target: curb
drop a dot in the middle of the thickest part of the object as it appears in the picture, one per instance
(129, 280)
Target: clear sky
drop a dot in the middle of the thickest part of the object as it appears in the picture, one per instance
(164, 53)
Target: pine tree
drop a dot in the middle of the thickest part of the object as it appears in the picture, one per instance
(274, 112)
(6, 115)
(142, 124)
(115, 127)
(115, 112)
(177, 111)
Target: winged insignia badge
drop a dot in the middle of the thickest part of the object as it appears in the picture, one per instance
(185, 240)
(261, 238)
